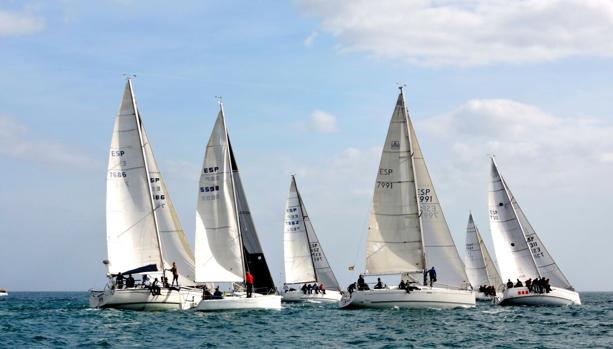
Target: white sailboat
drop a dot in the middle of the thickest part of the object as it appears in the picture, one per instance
(480, 267)
(227, 245)
(407, 231)
(144, 235)
(520, 252)
(305, 261)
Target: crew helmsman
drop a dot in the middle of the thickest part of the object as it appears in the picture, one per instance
(249, 282)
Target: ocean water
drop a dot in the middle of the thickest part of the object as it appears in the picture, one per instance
(63, 319)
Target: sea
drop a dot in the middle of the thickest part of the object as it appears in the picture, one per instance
(63, 319)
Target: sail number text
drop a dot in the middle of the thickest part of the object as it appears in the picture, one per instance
(425, 195)
(385, 185)
(210, 169)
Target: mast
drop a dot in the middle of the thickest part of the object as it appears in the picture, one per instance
(238, 224)
(523, 232)
(421, 229)
(142, 151)
(305, 228)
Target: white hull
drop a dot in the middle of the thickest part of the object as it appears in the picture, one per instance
(521, 296)
(480, 296)
(299, 296)
(425, 297)
(142, 299)
(240, 301)
(4, 294)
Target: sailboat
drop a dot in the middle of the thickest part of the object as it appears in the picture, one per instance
(480, 267)
(305, 261)
(407, 231)
(227, 245)
(144, 235)
(520, 252)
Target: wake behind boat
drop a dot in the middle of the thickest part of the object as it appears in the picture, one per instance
(305, 261)
(143, 232)
(407, 231)
(480, 268)
(227, 246)
(521, 254)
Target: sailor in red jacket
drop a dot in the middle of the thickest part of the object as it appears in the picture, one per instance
(249, 281)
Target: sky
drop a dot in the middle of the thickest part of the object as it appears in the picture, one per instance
(308, 89)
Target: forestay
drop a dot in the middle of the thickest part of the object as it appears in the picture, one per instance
(218, 245)
(175, 247)
(514, 257)
(132, 240)
(299, 267)
(394, 235)
(441, 251)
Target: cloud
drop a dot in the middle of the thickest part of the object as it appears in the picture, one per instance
(466, 33)
(19, 23)
(15, 142)
(308, 42)
(562, 150)
(323, 122)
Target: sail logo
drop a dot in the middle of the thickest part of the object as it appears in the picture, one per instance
(210, 169)
(385, 171)
(117, 153)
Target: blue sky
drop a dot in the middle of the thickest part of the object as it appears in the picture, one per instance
(309, 87)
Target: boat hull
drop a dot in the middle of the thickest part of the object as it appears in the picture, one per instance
(426, 297)
(299, 296)
(522, 296)
(240, 302)
(142, 299)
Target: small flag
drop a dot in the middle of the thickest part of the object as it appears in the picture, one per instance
(351, 268)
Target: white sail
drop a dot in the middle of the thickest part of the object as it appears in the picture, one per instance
(323, 271)
(441, 251)
(218, 246)
(544, 262)
(132, 239)
(515, 260)
(394, 235)
(299, 267)
(480, 268)
(175, 247)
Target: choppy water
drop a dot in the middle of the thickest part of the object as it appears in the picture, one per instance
(60, 319)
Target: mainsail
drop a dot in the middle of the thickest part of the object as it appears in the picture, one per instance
(142, 225)
(394, 229)
(305, 260)
(132, 239)
(520, 252)
(479, 265)
(218, 247)
(227, 245)
(407, 231)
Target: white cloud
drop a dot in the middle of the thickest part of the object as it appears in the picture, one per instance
(15, 142)
(19, 23)
(322, 122)
(449, 32)
(563, 151)
(310, 40)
